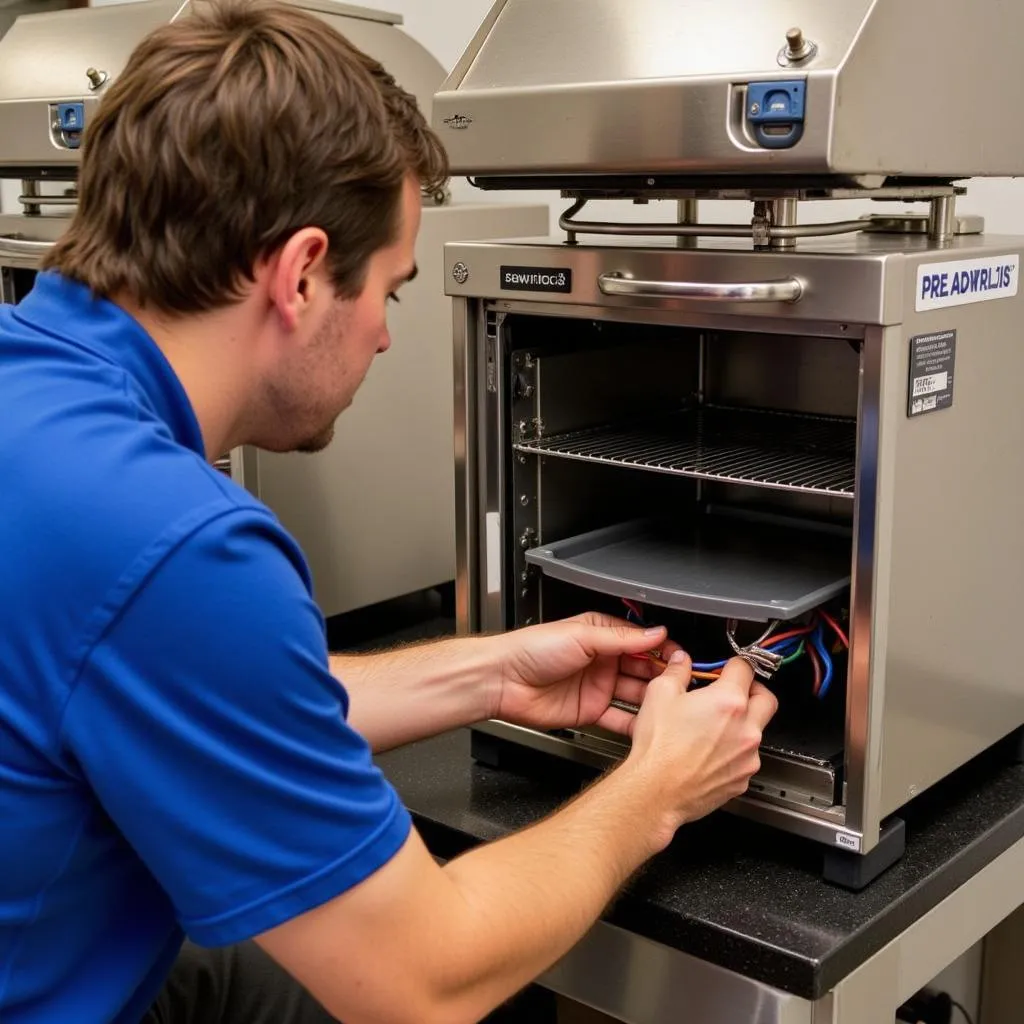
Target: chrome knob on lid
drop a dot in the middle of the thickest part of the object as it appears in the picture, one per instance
(798, 47)
(96, 77)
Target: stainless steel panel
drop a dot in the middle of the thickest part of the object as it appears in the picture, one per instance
(639, 981)
(13, 9)
(955, 549)
(343, 10)
(656, 86)
(822, 824)
(465, 314)
(934, 941)
(44, 228)
(44, 59)
(576, 42)
(643, 127)
(845, 283)
(22, 252)
(864, 686)
(494, 395)
(375, 512)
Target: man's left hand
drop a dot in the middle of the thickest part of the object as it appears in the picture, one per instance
(564, 674)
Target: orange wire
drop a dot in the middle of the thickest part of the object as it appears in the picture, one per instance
(662, 664)
(835, 626)
(773, 641)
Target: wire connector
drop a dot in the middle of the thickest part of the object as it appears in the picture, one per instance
(765, 663)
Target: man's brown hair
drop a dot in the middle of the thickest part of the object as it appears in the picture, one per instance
(228, 131)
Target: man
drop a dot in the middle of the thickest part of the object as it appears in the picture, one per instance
(177, 756)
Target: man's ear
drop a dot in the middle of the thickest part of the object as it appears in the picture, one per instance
(293, 275)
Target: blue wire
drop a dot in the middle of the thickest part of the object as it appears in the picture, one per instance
(817, 639)
(786, 648)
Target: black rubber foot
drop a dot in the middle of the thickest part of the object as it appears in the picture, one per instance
(857, 871)
(486, 749)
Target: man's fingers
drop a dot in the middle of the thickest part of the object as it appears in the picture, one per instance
(763, 705)
(678, 672)
(620, 639)
(616, 720)
(739, 675)
(630, 689)
(641, 668)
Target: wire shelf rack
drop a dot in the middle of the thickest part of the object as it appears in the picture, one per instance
(777, 450)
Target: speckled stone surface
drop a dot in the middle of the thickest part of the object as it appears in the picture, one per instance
(737, 894)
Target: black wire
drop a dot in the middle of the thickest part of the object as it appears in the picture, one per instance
(967, 1016)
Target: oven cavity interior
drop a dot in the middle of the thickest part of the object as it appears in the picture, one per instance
(704, 480)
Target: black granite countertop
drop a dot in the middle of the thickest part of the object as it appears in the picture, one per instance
(737, 894)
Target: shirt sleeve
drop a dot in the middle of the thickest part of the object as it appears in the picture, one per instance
(209, 726)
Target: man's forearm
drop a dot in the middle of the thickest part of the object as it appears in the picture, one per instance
(410, 693)
(529, 898)
(470, 935)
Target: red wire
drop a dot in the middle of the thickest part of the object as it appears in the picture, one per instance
(818, 672)
(835, 627)
(772, 641)
(779, 638)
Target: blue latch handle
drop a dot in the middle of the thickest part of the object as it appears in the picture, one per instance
(775, 112)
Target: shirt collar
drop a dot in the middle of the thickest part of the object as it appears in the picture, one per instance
(68, 310)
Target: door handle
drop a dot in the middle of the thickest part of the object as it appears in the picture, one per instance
(787, 289)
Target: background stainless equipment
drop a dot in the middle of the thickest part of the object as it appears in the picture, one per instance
(853, 91)
(738, 424)
(374, 513)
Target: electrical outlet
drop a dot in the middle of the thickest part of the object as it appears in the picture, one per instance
(927, 1007)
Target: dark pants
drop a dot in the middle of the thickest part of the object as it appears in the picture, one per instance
(242, 985)
(236, 985)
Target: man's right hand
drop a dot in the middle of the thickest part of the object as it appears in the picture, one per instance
(470, 935)
(698, 749)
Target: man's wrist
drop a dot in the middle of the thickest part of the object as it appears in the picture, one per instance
(655, 818)
(478, 658)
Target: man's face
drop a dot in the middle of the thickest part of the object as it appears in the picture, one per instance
(323, 374)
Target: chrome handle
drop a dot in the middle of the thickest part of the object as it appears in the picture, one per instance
(789, 289)
(23, 246)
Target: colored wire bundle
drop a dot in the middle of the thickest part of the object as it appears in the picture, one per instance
(792, 643)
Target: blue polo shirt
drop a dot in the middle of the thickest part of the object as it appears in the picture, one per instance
(174, 754)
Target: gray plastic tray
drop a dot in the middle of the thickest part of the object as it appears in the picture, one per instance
(723, 567)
